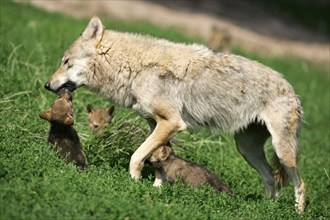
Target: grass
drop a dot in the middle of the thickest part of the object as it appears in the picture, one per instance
(36, 184)
(313, 15)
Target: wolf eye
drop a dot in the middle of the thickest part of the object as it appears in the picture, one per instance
(66, 61)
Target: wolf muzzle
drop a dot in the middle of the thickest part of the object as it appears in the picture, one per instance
(47, 86)
(71, 86)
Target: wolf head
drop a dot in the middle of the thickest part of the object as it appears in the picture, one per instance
(61, 110)
(99, 118)
(78, 60)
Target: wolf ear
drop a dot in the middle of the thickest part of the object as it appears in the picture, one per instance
(94, 29)
(45, 115)
(89, 109)
(111, 109)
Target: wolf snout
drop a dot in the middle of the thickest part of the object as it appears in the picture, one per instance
(69, 85)
(47, 86)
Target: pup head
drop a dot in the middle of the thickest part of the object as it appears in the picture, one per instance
(78, 62)
(99, 118)
(61, 110)
(160, 154)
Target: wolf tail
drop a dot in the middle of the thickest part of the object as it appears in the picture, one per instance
(280, 175)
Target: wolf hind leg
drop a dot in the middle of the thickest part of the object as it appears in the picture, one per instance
(250, 143)
(284, 131)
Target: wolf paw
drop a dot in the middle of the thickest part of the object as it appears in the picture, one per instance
(300, 198)
(135, 173)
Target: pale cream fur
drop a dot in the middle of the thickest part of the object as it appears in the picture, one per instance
(178, 86)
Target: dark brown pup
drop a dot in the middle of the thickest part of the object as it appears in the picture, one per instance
(62, 135)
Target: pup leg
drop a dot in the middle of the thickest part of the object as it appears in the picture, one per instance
(250, 143)
(165, 129)
(160, 178)
(284, 140)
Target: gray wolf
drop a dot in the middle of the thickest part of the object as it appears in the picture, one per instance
(62, 135)
(99, 118)
(177, 87)
(175, 167)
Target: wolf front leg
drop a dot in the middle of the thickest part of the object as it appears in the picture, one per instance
(164, 131)
(160, 177)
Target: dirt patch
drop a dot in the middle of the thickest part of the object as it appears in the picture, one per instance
(251, 28)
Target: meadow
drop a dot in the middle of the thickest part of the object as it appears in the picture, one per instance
(36, 184)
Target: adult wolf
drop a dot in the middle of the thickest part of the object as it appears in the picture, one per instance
(177, 87)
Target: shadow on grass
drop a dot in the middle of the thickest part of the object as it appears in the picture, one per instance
(116, 145)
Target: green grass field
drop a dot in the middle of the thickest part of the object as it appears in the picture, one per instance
(36, 184)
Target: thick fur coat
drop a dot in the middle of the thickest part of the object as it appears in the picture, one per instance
(177, 87)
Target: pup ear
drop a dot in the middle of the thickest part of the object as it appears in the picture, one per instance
(68, 120)
(94, 29)
(110, 110)
(165, 152)
(45, 115)
(89, 109)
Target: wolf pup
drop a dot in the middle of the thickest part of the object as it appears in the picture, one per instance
(62, 134)
(175, 167)
(177, 87)
(99, 118)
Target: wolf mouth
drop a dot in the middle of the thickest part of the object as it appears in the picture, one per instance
(69, 85)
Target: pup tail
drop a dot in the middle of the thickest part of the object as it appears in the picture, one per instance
(280, 175)
(218, 185)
